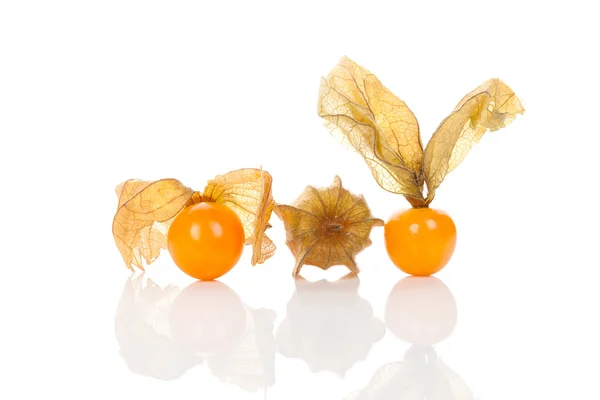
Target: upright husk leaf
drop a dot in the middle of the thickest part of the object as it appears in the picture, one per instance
(364, 114)
(491, 106)
(145, 212)
(248, 193)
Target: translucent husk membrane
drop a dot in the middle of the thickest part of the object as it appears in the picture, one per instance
(363, 114)
(146, 209)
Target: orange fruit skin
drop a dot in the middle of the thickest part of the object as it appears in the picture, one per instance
(420, 241)
(206, 240)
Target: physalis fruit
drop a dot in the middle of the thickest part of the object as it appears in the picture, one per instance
(204, 231)
(365, 115)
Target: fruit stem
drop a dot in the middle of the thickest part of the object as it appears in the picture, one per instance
(417, 202)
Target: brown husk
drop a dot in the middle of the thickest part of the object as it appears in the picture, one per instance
(327, 226)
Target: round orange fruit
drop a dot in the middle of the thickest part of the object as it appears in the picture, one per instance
(206, 240)
(420, 241)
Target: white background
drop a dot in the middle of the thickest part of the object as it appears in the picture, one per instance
(95, 92)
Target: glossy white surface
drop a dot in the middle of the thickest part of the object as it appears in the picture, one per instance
(94, 93)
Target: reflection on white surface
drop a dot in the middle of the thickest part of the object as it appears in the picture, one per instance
(328, 325)
(423, 312)
(165, 332)
(143, 331)
(420, 375)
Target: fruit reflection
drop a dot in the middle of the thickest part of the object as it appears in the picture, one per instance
(208, 318)
(421, 375)
(143, 332)
(251, 364)
(163, 333)
(328, 325)
(421, 311)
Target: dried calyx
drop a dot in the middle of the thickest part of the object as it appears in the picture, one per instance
(366, 116)
(146, 209)
(327, 226)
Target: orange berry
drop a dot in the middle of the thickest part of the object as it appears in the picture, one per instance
(420, 241)
(206, 240)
